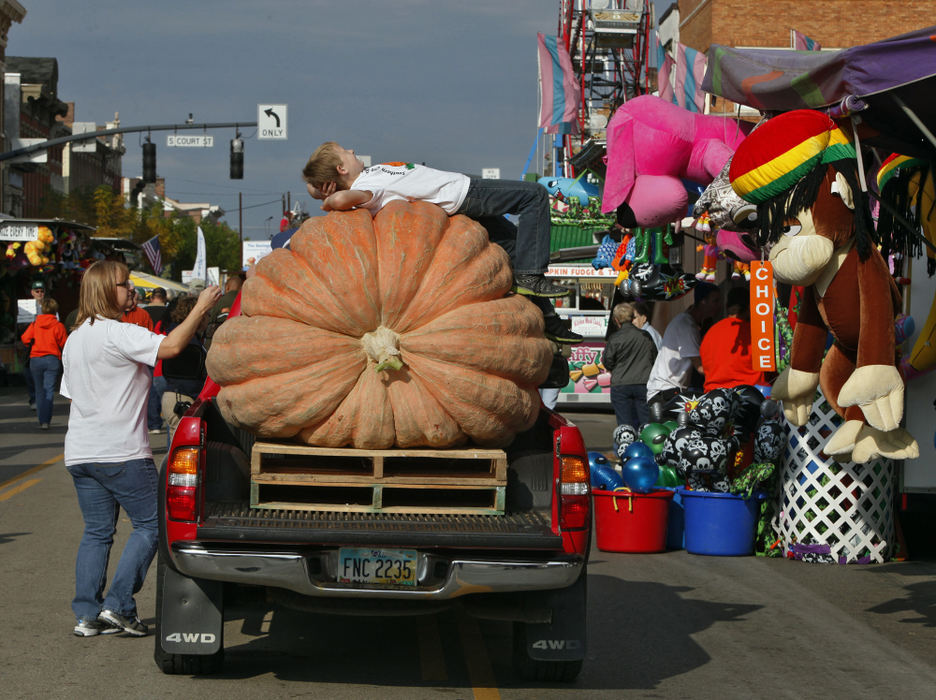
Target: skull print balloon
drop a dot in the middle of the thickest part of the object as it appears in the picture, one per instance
(624, 435)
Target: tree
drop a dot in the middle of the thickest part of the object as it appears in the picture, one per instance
(107, 211)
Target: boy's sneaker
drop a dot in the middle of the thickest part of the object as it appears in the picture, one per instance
(92, 628)
(130, 625)
(559, 331)
(538, 286)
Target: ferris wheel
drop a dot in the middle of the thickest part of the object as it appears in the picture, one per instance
(609, 43)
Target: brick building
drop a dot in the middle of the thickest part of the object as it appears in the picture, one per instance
(10, 12)
(835, 24)
(33, 110)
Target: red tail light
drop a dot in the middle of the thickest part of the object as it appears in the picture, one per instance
(184, 478)
(574, 493)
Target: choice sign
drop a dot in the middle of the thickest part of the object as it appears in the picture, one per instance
(763, 341)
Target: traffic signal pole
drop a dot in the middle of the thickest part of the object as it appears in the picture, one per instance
(122, 130)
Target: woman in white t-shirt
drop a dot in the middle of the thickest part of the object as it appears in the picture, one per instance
(107, 375)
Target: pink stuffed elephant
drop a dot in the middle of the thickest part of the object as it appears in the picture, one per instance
(652, 146)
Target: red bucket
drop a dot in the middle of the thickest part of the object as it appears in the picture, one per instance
(627, 521)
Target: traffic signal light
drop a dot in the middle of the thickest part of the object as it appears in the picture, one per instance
(237, 158)
(149, 162)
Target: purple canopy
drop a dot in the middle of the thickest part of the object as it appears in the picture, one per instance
(891, 84)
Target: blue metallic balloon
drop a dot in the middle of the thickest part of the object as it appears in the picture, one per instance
(595, 458)
(641, 473)
(636, 449)
(605, 477)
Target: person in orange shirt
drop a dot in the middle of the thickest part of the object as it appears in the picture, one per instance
(726, 347)
(136, 314)
(47, 335)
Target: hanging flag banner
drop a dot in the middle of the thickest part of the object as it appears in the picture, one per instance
(801, 42)
(559, 90)
(679, 79)
(763, 340)
(200, 268)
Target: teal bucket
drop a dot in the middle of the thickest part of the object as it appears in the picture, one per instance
(720, 524)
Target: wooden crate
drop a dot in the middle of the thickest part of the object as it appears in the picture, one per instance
(418, 480)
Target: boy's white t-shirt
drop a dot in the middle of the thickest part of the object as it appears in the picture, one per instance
(411, 181)
(107, 377)
(674, 360)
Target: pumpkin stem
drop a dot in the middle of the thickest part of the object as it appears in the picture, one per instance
(383, 347)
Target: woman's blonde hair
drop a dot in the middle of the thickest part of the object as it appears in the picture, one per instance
(98, 295)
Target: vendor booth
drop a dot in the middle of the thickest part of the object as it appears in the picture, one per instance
(50, 250)
(880, 96)
(588, 310)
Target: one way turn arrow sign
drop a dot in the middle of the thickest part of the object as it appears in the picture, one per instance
(271, 122)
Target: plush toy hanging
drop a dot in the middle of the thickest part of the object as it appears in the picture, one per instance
(908, 197)
(653, 145)
(801, 171)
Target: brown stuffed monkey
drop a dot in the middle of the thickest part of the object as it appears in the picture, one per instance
(800, 170)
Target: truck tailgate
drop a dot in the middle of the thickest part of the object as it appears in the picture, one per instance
(240, 523)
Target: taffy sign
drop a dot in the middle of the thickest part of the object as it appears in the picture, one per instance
(586, 373)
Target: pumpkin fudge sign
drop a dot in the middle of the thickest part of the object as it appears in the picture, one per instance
(396, 330)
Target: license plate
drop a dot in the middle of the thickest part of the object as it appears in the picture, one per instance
(385, 566)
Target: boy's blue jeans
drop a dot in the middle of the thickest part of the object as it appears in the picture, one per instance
(102, 490)
(527, 244)
(45, 372)
(630, 404)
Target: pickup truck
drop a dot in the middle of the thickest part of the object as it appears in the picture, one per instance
(526, 564)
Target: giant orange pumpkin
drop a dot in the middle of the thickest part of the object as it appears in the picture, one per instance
(379, 332)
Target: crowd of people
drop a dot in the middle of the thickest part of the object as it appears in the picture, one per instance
(703, 348)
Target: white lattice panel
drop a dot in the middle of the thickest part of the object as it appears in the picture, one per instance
(831, 511)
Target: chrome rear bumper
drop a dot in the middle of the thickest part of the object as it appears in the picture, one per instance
(292, 571)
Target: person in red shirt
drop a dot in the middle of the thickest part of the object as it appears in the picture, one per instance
(726, 347)
(47, 335)
(136, 314)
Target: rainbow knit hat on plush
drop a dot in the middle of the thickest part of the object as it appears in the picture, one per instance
(908, 197)
(894, 164)
(782, 151)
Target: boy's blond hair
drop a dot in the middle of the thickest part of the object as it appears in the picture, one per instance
(49, 306)
(323, 165)
(623, 313)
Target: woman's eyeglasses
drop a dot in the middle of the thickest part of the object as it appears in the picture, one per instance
(126, 285)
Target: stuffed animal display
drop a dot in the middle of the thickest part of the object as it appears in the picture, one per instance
(801, 172)
(652, 146)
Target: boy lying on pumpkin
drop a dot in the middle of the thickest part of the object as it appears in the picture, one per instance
(335, 175)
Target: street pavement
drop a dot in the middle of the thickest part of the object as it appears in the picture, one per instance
(660, 625)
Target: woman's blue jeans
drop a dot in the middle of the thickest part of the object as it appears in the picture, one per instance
(103, 488)
(527, 244)
(45, 372)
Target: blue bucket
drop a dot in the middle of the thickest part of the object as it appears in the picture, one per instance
(676, 520)
(720, 524)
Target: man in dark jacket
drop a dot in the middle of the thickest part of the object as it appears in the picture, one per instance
(629, 355)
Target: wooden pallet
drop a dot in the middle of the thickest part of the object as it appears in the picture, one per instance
(417, 480)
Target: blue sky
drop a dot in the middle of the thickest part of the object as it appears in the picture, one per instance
(452, 84)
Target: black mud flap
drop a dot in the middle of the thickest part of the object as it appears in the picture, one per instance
(563, 639)
(191, 614)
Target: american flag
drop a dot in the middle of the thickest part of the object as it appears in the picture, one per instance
(153, 254)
